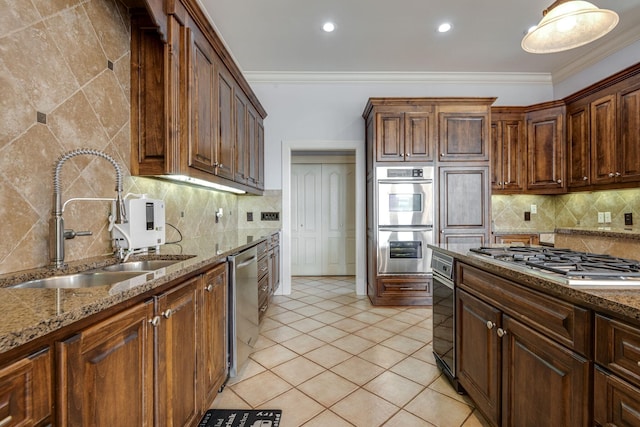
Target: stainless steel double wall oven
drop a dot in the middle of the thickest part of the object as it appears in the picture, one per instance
(405, 219)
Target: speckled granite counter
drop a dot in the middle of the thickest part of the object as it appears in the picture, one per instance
(615, 233)
(32, 313)
(622, 303)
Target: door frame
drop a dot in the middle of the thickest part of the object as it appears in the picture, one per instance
(356, 146)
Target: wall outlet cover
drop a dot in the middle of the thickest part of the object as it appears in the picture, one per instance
(249, 216)
(534, 209)
(527, 216)
(607, 217)
(628, 218)
(600, 217)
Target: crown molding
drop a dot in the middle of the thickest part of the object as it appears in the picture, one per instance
(398, 77)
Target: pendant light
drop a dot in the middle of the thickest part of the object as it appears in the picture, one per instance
(567, 24)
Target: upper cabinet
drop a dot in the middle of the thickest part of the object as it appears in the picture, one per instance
(603, 142)
(508, 145)
(193, 113)
(404, 136)
(545, 148)
(463, 133)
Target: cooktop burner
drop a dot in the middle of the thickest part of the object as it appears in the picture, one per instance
(568, 263)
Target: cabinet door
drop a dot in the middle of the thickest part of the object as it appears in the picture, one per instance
(204, 108)
(106, 372)
(177, 399)
(252, 148)
(464, 202)
(616, 403)
(496, 156)
(225, 139)
(478, 353)
(25, 391)
(418, 136)
(545, 151)
(513, 155)
(629, 137)
(543, 383)
(578, 147)
(213, 339)
(463, 136)
(260, 152)
(390, 137)
(604, 165)
(241, 138)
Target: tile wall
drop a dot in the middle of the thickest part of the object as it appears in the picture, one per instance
(65, 81)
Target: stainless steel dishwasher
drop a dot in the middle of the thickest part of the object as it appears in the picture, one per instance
(243, 308)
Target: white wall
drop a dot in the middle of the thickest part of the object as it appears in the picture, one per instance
(332, 111)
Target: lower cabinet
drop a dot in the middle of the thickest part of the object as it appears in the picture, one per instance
(403, 290)
(159, 362)
(527, 239)
(516, 375)
(25, 391)
(616, 402)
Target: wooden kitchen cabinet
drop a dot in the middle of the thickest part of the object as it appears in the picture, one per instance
(616, 402)
(183, 102)
(177, 402)
(463, 133)
(464, 198)
(604, 164)
(241, 158)
(578, 146)
(264, 262)
(516, 346)
(527, 239)
(405, 136)
(106, 372)
(274, 263)
(212, 345)
(545, 148)
(508, 146)
(25, 391)
(628, 135)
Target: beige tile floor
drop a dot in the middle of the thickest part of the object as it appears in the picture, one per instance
(328, 358)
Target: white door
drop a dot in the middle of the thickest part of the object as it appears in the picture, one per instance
(306, 223)
(322, 219)
(338, 219)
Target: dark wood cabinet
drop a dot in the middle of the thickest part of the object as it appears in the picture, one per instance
(628, 135)
(508, 145)
(616, 402)
(25, 391)
(463, 135)
(516, 346)
(177, 401)
(405, 136)
(184, 90)
(106, 372)
(212, 343)
(527, 239)
(604, 164)
(463, 204)
(274, 263)
(545, 149)
(578, 147)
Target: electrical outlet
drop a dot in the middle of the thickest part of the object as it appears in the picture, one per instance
(607, 217)
(527, 216)
(600, 217)
(534, 209)
(628, 218)
(249, 216)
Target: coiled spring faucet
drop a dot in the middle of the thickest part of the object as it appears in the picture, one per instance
(57, 233)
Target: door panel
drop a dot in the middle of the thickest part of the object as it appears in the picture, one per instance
(306, 227)
(338, 221)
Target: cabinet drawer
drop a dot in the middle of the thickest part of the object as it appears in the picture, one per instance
(562, 321)
(263, 287)
(615, 402)
(274, 241)
(404, 287)
(617, 348)
(263, 267)
(262, 248)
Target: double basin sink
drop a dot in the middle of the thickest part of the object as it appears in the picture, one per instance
(104, 276)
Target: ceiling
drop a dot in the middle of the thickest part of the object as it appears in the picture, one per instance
(399, 36)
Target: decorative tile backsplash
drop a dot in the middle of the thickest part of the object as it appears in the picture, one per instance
(566, 210)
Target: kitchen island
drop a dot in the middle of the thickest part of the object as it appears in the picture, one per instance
(531, 350)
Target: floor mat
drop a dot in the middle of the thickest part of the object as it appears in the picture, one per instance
(241, 418)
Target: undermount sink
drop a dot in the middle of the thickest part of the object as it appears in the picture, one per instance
(79, 280)
(148, 265)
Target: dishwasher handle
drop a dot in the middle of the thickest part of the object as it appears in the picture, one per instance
(247, 262)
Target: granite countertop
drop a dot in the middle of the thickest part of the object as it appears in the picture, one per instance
(624, 303)
(624, 233)
(33, 313)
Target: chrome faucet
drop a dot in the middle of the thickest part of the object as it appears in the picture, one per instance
(57, 233)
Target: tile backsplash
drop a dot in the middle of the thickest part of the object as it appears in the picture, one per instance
(65, 81)
(566, 210)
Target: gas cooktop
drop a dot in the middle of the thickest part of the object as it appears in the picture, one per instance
(577, 268)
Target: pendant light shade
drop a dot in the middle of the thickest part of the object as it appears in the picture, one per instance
(567, 25)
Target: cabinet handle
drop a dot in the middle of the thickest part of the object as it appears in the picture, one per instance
(501, 332)
(167, 314)
(6, 421)
(490, 324)
(155, 321)
(264, 308)
(209, 287)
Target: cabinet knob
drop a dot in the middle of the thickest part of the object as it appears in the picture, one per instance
(490, 324)
(155, 321)
(585, 178)
(401, 155)
(501, 332)
(618, 174)
(611, 175)
(441, 154)
(559, 181)
(209, 287)
(220, 165)
(167, 313)
(408, 154)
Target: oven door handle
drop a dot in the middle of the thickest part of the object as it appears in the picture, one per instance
(409, 228)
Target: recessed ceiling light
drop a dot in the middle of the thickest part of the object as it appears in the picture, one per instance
(443, 28)
(329, 26)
